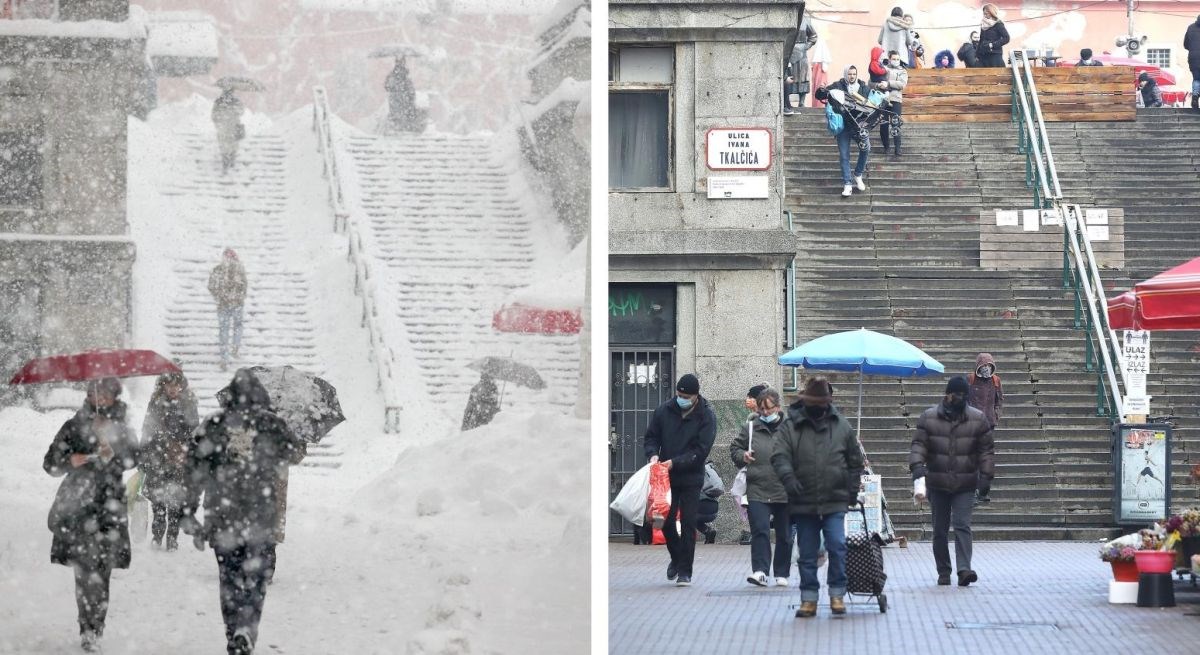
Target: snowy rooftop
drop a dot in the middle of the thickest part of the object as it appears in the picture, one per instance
(182, 38)
(132, 28)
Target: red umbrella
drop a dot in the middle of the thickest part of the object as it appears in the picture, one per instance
(93, 365)
(1162, 77)
(1167, 301)
(523, 318)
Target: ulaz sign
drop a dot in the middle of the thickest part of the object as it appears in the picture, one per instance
(738, 148)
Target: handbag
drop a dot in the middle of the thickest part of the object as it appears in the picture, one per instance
(74, 499)
(833, 120)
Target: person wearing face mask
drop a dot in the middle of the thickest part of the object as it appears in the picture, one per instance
(819, 461)
(681, 435)
(893, 87)
(849, 84)
(89, 516)
(1150, 94)
(951, 457)
(968, 53)
(768, 499)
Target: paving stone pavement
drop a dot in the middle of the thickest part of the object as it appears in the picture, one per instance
(1032, 597)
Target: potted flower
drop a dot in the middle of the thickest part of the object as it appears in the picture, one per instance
(1156, 554)
(1121, 558)
(1187, 526)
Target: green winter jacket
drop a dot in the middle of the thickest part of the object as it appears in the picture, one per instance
(762, 483)
(823, 456)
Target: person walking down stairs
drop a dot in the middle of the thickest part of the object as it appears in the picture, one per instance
(227, 118)
(850, 85)
(1191, 43)
(893, 86)
(227, 284)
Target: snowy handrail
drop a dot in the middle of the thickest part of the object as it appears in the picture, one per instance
(364, 283)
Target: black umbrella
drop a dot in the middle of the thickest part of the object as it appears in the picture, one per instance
(239, 83)
(308, 404)
(510, 370)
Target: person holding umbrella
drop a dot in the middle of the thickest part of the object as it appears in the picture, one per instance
(167, 431)
(681, 435)
(768, 499)
(236, 459)
(227, 119)
(819, 461)
(88, 518)
(951, 458)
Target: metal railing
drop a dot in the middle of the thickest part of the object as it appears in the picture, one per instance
(364, 282)
(790, 302)
(1080, 271)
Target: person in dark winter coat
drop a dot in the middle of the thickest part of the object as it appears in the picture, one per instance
(944, 59)
(1191, 43)
(1085, 58)
(993, 36)
(951, 457)
(227, 285)
(877, 69)
(986, 394)
(819, 461)
(708, 508)
(236, 459)
(968, 53)
(403, 113)
(768, 499)
(482, 405)
(88, 518)
(227, 118)
(681, 435)
(849, 84)
(167, 432)
(1151, 94)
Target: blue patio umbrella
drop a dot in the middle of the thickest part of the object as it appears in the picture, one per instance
(865, 351)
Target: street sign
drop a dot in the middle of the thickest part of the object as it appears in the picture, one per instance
(1136, 348)
(738, 148)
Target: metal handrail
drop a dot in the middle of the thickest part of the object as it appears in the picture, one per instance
(364, 282)
(1077, 247)
(791, 306)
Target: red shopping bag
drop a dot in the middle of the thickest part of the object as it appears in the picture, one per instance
(660, 500)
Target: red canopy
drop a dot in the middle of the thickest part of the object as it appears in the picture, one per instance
(537, 320)
(1167, 301)
(93, 365)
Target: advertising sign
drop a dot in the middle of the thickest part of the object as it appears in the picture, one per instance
(1142, 456)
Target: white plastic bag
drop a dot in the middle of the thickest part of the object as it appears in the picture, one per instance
(738, 488)
(634, 498)
(919, 493)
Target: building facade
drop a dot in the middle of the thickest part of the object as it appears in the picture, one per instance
(699, 247)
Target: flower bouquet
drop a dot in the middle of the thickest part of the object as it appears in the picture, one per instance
(1120, 553)
(1184, 529)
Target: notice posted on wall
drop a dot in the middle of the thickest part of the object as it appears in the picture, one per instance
(1145, 473)
(1006, 217)
(731, 187)
(1029, 219)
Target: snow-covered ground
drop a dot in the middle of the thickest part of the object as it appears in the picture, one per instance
(429, 541)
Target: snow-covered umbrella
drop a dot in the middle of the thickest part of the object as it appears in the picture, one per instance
(240, 83)
(394, 51)
(307, 403)
(509, 370)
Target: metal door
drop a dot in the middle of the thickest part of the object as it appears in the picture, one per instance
(640, 381)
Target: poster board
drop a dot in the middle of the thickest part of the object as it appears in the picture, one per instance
(1142, 480)
(872, 502)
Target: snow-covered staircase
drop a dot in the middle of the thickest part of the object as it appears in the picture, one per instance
(244, 209)
(447, 221)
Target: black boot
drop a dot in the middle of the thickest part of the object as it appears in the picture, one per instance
(896, 153)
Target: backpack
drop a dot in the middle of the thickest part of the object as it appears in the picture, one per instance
(833, 120)
(713, 487)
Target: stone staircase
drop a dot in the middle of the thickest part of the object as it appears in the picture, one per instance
(244, 210)
(903, 258)
(455, 236)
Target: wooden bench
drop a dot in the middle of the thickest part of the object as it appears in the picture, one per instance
(1087, 93)
(1012, 248)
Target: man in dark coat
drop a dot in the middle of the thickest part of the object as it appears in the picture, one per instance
(849, 85)
(1151, 95)
(1191, 42)
(993, 36)
(819, 461)
(968, 54)
(167, 432)
(403, 113)
(768, 507)
(227, 119)
(1085, 58)
(482, 405)
(680, 435)
(88, 517)
(952, 457)
(236, 460)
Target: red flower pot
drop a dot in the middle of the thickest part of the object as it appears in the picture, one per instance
(1155, 561)
(1125, 571)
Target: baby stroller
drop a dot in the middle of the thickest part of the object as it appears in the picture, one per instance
(864, 564)
(866, 113)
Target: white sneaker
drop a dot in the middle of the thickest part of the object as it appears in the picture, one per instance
(846, 191)
(757, 578)
(781, 582)
(858, 182)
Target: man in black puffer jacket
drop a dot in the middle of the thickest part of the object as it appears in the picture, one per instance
(1191, 42)
(952, 456)
(681, 434)
(819, 461)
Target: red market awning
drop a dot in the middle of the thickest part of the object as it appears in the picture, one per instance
(537, 320)
(1167, 301)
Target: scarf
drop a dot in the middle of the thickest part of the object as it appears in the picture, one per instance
(988, 23)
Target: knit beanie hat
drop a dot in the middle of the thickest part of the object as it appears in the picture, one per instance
(958, 384)
(688, 384)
